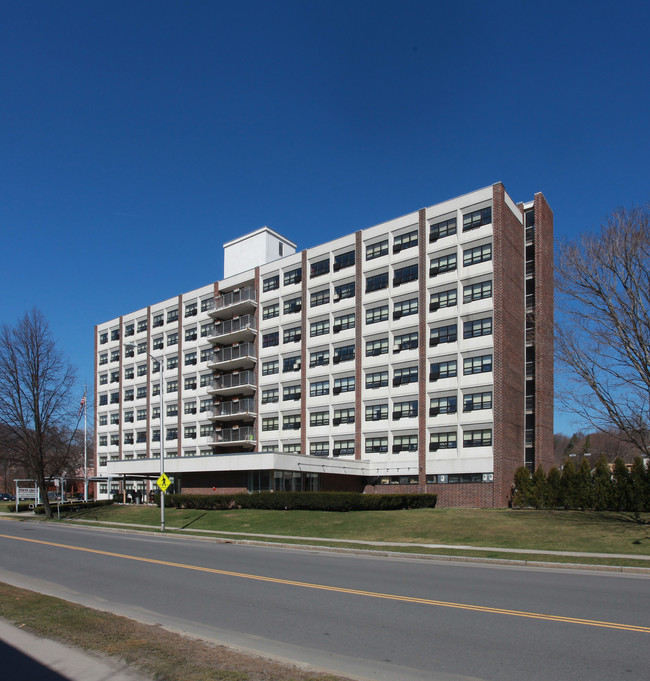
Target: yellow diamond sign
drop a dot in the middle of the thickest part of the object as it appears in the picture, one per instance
(163, 482)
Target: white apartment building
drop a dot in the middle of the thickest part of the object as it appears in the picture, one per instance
(412, 356)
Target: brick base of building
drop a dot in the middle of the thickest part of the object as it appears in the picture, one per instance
(469, 495)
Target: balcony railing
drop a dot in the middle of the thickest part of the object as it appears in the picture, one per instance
(245, 434)
(239, 325)
(248, 293)
(235, 407)
(233, 352)
(233, 380)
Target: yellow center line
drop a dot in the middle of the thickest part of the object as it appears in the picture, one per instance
(343, 590)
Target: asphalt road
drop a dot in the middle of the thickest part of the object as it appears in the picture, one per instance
(387, 619)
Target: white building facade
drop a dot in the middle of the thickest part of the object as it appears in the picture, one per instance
(412, 356)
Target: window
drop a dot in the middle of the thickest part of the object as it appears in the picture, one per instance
(172, 409)
(343, 448)
(272, 367)
(477, 401)
(103, 440)
(190, 432)
(270, 396)
(292, 335)
(443, 370)
(115, 418)
(291, 422)
(172, 339)
(172, 434)
(158, 320)
(280, 249)
(442, 441)
(477, 291)
(317, 388)
(319, 418)
(478, 327)
(142, 325)
(172, 386)
(376, 445)
(377, 412)
(103, 379)
(155, 436)
(270, 423)
(291, 363)
(141, 392)
(205, 380)
(442, 299)
(189, 408)
(129, 351)
(377, 314)
(141, 437)
(205, 406)
(443, 405)
(405, 375)
(404, 241)
(158, 344)
(207, 330)
(405, 308)
(445, 263)
(293, 276)
(319, 268)
(319, 449)
(405, 443)
(343, 416)
(115, 439)
(377, 347)
(477, 218)
(190, 359)
(377, 250)
(190, 334)
(319, 297)
(270, 339)
(346, 321)
(343, 260)
(190, 383)
(115, 355)
(271, 283)
(477, 365)
(292, 306)
(142, 370)
(206, 355)
(319, 358)
(155, 412)
(103, 359)
(405, 274)
(377, 379)
(155, 389)
(103, 338)
(376, 282)
(207, 304)
(172, 362)
(128, 396)
(291, 392)
(103, 420)
(270, 311)
(191, 310)
(115, 334)
(141, 414)
(115, 376)
(473, 256)
(129, 330)
(172, 316)
(206, 431)
(319, 328)
(406, 341)
(443, 334)
(442, 229)
(344, 291)
(477, 438)
(343, 385)
(405, 410)
(343, 354)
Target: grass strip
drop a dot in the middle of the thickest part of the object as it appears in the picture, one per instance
(163, 655)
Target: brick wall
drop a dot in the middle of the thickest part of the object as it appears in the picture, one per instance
(471, 495)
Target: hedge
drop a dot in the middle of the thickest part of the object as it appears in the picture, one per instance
(74, 506)
(302, 501)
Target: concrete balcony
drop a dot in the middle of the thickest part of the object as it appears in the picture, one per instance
(236, 383)
(234, 303)
(240, 437)
(240, 356)
(231, 331)
(235, 410)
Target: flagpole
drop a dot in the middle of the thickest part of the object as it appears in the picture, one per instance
(85, 444)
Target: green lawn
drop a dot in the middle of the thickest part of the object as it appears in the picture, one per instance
(556, 530)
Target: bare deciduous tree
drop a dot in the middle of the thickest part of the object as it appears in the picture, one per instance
(36, 382)
(603, 330)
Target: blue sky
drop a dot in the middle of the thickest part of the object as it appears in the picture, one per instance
(137, 137)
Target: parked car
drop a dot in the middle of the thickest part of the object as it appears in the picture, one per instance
(7, 497)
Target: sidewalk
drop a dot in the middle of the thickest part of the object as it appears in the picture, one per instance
(27, 656)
